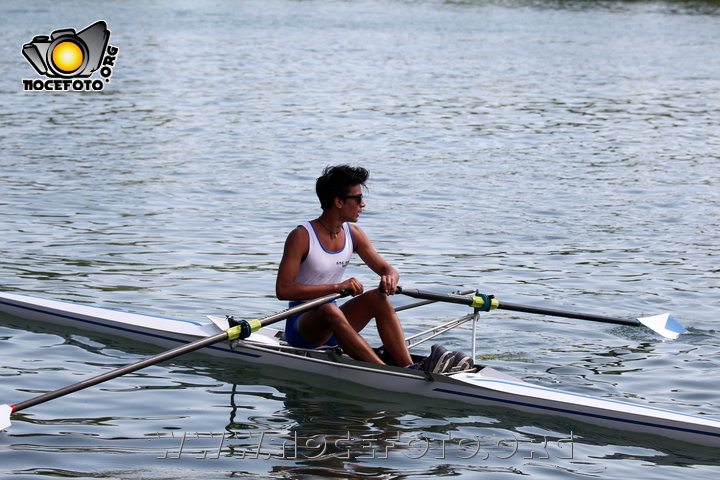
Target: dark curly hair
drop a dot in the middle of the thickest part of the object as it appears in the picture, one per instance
(336, 182)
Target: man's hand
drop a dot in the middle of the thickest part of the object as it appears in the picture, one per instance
(353, 285)
(388, 284)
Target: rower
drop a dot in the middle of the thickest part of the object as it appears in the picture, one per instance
(315, 257)
(313, 264)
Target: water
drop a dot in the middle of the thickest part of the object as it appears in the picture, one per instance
(557, 153)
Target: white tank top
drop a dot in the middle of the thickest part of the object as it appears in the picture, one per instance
(321, 266)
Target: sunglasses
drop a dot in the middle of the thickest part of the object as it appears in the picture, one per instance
(359, 198)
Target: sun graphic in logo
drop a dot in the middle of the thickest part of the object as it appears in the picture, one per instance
(67, 56)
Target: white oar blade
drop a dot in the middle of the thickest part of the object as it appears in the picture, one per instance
(5, 411)
(664, 324)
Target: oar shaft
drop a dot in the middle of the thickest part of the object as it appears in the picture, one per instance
(425, 302)
(303, 307)
(473, 301)
(435, 297)
(232, 333)
(566, 314)
(190, 347)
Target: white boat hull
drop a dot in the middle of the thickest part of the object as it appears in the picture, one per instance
(486, 386)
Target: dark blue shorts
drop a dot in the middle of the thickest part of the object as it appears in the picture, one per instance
(295, 339)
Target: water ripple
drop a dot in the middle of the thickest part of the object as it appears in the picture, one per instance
(561, 153)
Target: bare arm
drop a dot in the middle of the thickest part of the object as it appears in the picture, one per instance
(389, 277)
(286, 288)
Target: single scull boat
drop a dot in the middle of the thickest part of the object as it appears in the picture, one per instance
(482, 385)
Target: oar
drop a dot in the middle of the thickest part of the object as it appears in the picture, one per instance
(664, 324)
(240, 331)
(426, 302)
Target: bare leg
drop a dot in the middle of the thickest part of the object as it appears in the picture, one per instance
(376, 304)
(318, 325)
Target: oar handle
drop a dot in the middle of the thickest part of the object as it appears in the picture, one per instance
(479, 301)
(245, 327)
(303, 307)
(424, 302)
(435, 297)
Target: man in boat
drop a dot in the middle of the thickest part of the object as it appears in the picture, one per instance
(313, 264)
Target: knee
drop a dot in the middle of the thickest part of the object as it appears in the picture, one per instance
(328, 309)
(379, 300)
(331, 313)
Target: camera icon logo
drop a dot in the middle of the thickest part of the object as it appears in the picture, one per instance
(68, 54)
(67, 58)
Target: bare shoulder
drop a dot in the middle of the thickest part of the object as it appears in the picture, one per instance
(297, 240)
(360, 238)
(298, 233)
